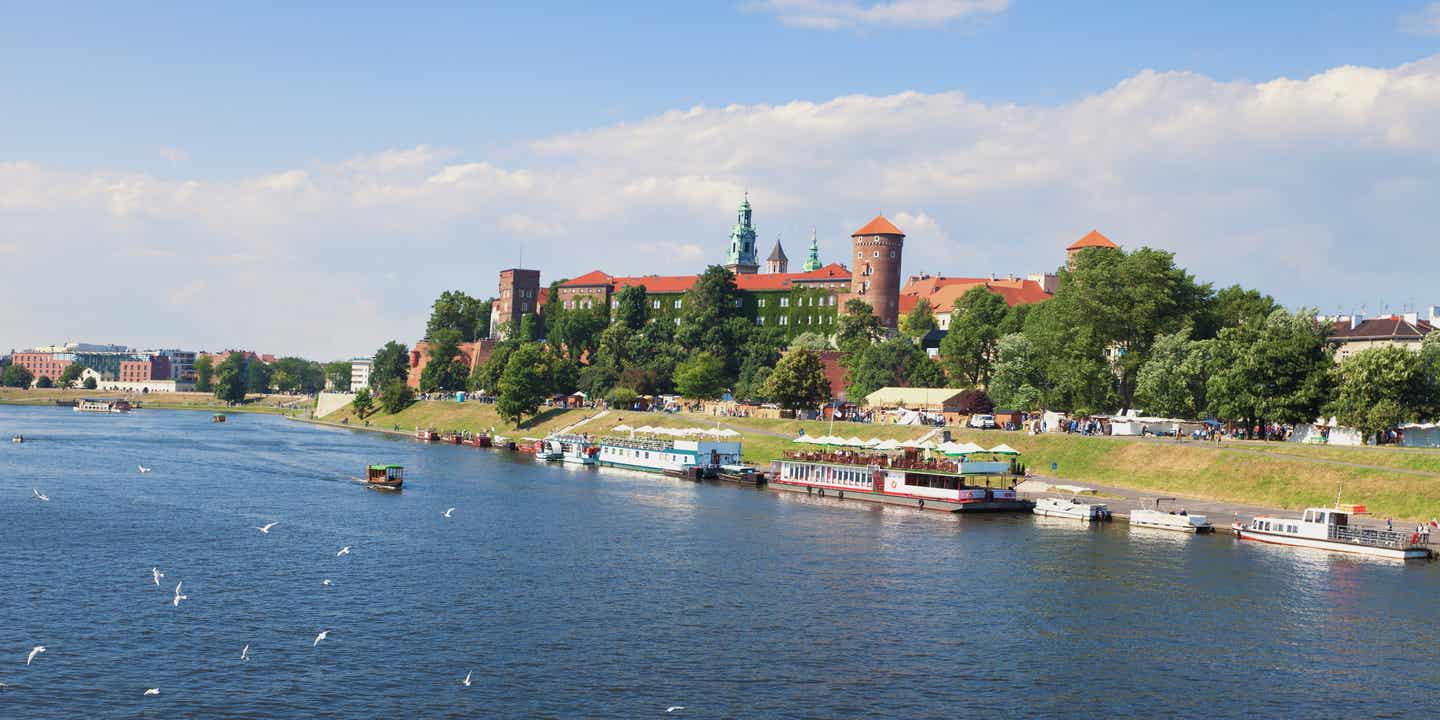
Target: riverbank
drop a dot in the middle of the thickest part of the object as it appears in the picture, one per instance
(1392, 482)
(278, 404)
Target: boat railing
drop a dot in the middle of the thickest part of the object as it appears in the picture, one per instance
(899, 462)
(575, 438)
(1379, 538)
(634, 444)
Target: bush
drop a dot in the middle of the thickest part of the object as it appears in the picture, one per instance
(975, 402)
(44, 382)
(90, 383)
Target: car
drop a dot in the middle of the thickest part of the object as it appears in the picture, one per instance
(982, 421)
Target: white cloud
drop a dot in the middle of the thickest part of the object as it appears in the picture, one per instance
(836, 14)
(1425, 22)
(1316, 189)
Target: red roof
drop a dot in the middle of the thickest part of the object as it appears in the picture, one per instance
(1393, 327)
(1093, 239)
(666, 284)
(878, 226)
(943, 292)
(785, 281)
(594, 277)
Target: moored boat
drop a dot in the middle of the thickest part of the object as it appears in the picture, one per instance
(741, 475)
(385, 477)
(1331, 529)
(426, 434)
(103, 405)
(574, 449)
(697, 458)
(1072, 508)
(1169, 520)
(951, 485)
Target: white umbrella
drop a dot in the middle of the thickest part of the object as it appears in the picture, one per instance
(1003, 449)
(727, 432)
(872, 442)
(888, 445)
(964, 448)
(853, 441)
(911, 443)
(622, 428)
(644, 429)
(926, 445)
(804, 439)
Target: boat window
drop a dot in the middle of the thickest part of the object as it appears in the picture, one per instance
(1308, 515)
(1341, 519)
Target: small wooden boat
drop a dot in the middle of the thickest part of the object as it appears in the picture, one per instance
(217, 418)
(385, 477)
(741, 475)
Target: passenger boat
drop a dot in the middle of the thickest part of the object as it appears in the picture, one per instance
(217, 418)
(1072, 508)
(700, 458)
(1332, 529)
(385, 477)
(574, 449)
(1169, 520)
(17, 438)
(103, 405)
(426, 434)
(543, 451)
(741, 475)
(948, 484)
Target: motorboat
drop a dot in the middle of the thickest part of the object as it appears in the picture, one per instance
(1159, 519)
(385, 477)
(1332, 529)
(1072, 508)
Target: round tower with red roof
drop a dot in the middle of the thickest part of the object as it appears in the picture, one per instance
(875, 276)
(1093, 239)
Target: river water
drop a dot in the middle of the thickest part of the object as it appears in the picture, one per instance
(573, 593)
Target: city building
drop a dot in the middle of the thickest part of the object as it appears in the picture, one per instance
(360, 373)
(943, 293)
(777, 262)
(519, 296)
(875, 277)
(1356, 332)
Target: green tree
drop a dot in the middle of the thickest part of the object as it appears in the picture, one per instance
(44, 381)
(857, 325)
(700, 377)
(1380, 388)
(396, 396)
(258, 375)
(563, 374)
(1172, 382)
(230, 378)
(362, 402)
(968, 349)
(920, 320)
(522, 384)
(90, 383)
(455, 310)
(1278, 371)
(530, 330)
(810, 341)
(1017, 378)
(577, 332)
(391, 362)
(798, 381)
(758, 357)
(293, 374)
(70, 375)
(485, 378)
(631, 309)
(337, 374)
(1232, 307)
(205, 373)
(894, 362)
(445, 372)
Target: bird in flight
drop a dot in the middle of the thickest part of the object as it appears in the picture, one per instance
(325, 582)
(323, 634)
(155, 573)
(153, 691)
(144, 469)
(245, 653)
(466, 681)
(673, 708)
(33, 652)
(266, 527)
(39, 496)
(178, 596)
(448, 512)
(343, 551)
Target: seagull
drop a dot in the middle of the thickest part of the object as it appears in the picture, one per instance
(178, 596)
(153, 691)
(320, 637)
(40, 497)
(245, 653)
(326, 581)
(673, 708)
(343, 551)
(144, 469)
(266, 527)
(36, 651)
(466, 681)
(155, 573)
(447, 512)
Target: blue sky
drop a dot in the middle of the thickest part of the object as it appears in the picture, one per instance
(142, 134)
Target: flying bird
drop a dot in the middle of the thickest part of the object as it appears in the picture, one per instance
(178, 596)
(153, 691)
(36, 651)
(673, 708)
(245, 653)
(155, 573)
(325, 582)
(323, 634)
(266, 527)
(144, 469)
(448, 512)
(39, 496)
(466, 681)
(343, 551)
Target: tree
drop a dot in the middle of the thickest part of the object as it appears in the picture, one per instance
(362, 402)
(920, 320)
(1072, 361)
(522, 384)
(893, 362)
(630, 307)
(1235, 306)
(485, 378)
(454, 310)
(974, 402)
(44, 381)
(969, 346)
(1017, 378)
(230, 378)
(70, 375)
(530, 330)
(396, 396)
(857, 325)
(258, 375)
(700, 377)
(1380, 388)
(1172, 382)
(622, 397)
(810, 341)
(1279, 371)
(445, 372)
(337, 374)
(293, 374)
(390, 362)
(90, 383)
(577, 332)
(204, 373)
(758, 358)
(562, 373)
(798, 381)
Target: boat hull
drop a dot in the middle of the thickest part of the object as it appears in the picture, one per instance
(1067, 514)
(1414, 553)
(974, 506)
(1192, 529)
(1155, 520)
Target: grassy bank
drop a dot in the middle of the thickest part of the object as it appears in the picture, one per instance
(445, 415)
(169, 401)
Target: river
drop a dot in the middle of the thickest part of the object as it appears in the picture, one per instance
(573, 593)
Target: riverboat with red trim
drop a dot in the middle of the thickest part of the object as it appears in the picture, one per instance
(1331, 529)
(908, 478)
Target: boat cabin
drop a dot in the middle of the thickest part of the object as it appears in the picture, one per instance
(385, 475)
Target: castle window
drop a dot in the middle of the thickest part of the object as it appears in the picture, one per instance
(677, 322)
(892, 253)
(738, 302)
(860, 254)
(784, 319)
(877, 253)
(760, 320)
(677, 303)
(760, 302)
(524, 307)
(655, 304)
(832, 301)
(784, 302)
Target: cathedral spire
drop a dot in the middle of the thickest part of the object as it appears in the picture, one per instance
(740, 259)
(812, 262)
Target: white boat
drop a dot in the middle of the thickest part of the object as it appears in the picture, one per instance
(1332, 529)
(1072, 508)
(668, 456)
(1169, 520)
(574, 449)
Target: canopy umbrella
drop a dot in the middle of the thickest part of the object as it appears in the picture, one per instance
(727, 432)
(853, 441)
(964, 448)
(804, 439)
(926, 445)
(1003, 449)
(911, 443)
(888, 445)
(644, 429)
(622, 428)
(872, 442)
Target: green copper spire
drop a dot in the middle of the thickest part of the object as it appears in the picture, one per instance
(741, 255)
(812, 262)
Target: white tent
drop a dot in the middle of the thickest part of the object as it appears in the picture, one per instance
(622, 428)
(1003, 449)
(888, 445)
(967, 448)
(727, 432)
(872, 442)
(853, 441)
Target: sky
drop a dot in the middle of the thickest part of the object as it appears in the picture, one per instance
(307, 180)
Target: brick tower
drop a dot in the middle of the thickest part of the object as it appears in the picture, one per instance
(875, 276)
(519, 296)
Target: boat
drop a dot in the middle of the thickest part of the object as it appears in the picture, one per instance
(543, 451)
(574, 449)
(697, 458)
(454, 437)
(103, 405)
(17, 438)
(1169, 520)
(385, 477)
(1073, 508)
(741, 475)
(910, 478)
(426, 434)
(1331, 529)
(217, 418)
